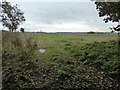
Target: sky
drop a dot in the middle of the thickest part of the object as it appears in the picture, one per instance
(61, 16)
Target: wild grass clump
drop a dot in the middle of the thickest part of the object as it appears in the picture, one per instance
(20, 63)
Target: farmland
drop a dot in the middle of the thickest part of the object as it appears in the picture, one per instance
(73, 39)
(70, 61)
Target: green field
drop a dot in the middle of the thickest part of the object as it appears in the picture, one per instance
(55, 40)
(71, 61)
(54, 43)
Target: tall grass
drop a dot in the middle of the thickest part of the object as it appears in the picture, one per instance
(20, 65)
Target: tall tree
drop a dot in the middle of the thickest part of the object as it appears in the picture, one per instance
(11, 16)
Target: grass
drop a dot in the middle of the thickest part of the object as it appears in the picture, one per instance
(73, 39)
(68, 53)
(59, 43)
(72, 61)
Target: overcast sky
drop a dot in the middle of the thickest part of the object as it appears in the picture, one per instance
(62, 17)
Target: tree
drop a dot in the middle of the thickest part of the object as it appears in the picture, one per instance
(109, 10)
(11, 16)
(22, 30)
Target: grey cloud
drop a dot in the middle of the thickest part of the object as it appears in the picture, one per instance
(62, 12)
(53, 12)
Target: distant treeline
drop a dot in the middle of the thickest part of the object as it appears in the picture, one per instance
(91, 32)
(73, 32)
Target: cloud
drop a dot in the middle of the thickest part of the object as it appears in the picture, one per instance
(59, 12)
(62, 16)
(60, 27)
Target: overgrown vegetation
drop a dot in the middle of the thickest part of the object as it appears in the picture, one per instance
(70, 61)
(20, 63)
